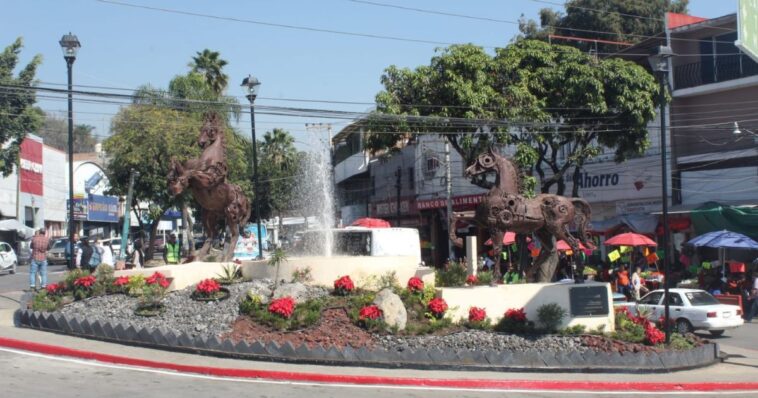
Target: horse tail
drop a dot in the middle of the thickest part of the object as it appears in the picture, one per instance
(583, 218)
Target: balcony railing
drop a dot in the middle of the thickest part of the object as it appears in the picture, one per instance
(728, 67)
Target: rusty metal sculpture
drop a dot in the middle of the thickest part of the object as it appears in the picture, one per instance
(206, 176)
(546, 216)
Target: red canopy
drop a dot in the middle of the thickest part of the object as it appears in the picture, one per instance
(561, 245)
(371, 223)
(630, 239)
(509, 238)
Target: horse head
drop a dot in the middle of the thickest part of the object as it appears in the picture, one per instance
(211, 130)
(178, 178)
(483, 163)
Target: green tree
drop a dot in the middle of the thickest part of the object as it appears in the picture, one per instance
(279, 170)
(210, 64)
(546, 99)
(614, 20)
(18, 115)
(55, 133)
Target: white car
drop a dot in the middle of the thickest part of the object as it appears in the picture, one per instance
(691, 309)
(8, 259)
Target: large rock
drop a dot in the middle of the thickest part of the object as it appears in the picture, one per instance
(300, 292)
(393, 308)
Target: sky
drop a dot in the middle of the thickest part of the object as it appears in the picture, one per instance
(126, 47)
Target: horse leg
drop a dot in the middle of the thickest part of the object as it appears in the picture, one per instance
(234, 230)
(546, 263)
(209, 224)
(497, 247)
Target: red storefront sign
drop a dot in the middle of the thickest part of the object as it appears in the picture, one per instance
(458, 201)
(30, 167)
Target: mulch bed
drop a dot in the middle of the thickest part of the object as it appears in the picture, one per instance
(334, 329)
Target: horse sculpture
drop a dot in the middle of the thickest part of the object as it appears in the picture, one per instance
(206, 178)
(546, 216)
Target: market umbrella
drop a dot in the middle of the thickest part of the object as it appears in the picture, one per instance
(723, 239)
(561, 245)
(371, 223)
(630, 239)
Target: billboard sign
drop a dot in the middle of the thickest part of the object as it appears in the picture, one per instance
(247, 244)
(30, 166)
(747, 28)
(102, 208)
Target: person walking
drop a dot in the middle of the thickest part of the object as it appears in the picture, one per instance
(752, 304)
(138, 256)
(67, 251)
(172, 252)
(85, 254)
(40, 244)
(106, 253)
(637, 283)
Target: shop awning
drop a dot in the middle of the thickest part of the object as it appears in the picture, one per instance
(714, 216)
(640, 223)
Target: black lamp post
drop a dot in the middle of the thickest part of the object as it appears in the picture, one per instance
(251, 85)
(659, 62)
(70, 46)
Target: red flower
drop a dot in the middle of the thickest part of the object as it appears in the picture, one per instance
(54, 288)
(283, 307)
(85, 281)
(653, 336)
(121, 281)
(476, 314)
(370, 312)
(472, 280)
(437, 306)
(415, 285)
(516, 315)
(155, 278)
(207, 287)
(344, 285)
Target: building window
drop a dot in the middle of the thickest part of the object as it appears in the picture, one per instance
(29, 216)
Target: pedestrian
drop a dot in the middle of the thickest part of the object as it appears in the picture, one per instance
(752, 304)
(138, 257)
(106, 253)
(637, 283)
(40, 244)
(172, 251)
(85, 253)
(512, 275)
(75, 263)
(622, 281)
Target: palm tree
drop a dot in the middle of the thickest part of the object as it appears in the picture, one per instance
(278, 148)
(209, 64)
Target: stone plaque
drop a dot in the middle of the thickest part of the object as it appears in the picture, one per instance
(589, 301)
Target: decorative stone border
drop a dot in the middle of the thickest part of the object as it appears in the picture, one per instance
(526, 361)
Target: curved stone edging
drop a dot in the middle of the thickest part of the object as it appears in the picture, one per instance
(526, 361)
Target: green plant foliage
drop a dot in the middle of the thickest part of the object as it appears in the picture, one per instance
(304, 315)
(72, 275)
(302, 275)
(573, 330)
(45, 303)
(104, 283)
(278, 256)
(550, 316)
(136, 285)
(230, 273)
(453, 274)
(486, 324)
(681, 343)
(484, 277)
(506, 325)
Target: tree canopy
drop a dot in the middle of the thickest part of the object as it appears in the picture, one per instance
(18, 115)
(612, 20)
(55, 133)
(279, 170)
(210, 64)
(546, 99)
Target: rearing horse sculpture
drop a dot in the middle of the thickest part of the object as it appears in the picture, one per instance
(547, 216)
(206, 177)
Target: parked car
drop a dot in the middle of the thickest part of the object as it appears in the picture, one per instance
(690, 309)
(56, 254)
(24, 252)
(8, 259)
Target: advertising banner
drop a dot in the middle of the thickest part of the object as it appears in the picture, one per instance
(102, 209)
(30, 167)
(247, 244)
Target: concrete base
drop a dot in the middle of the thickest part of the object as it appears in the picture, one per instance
(364, 271)
(498, 299)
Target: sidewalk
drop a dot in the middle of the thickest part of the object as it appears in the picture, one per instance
(741, 370)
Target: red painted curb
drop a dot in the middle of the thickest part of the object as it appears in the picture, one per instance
(551, 385)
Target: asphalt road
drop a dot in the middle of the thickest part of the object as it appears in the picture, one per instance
(20, 280)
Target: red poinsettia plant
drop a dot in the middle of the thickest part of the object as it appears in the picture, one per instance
(415, 285)
(472, 280)
(207, 288)
(343, 286)
(85, 281)
(653, 335)
(283, 307)
(371, 312)
(476, 314)
(155, 289)
(437, 307)
(158, 279)
(54, 289)
(516, 315)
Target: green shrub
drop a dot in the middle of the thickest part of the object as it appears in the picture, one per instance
(230, 273)
(304, 315)
(679, 342)
(484, 277)
(302, 275)
(45, 303)
(104, 283)
(506, 325)
(573, 330)
(71, 276)
(136, 285)
(481, 325)
(451, 275)
(550, 316)
(631, 333)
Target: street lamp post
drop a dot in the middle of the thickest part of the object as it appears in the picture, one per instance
(70, 46)
(251, 85)
(660, 65)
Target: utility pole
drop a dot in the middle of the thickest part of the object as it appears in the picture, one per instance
(398, 186)
(449, 189)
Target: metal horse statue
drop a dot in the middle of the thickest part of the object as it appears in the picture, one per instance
(206, 178)
(546, 216)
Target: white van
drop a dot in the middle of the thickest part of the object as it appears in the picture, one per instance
(362, 241)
